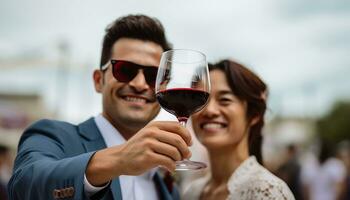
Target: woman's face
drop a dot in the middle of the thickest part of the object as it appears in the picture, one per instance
(223, 122)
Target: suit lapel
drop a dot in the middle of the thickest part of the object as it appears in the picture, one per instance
(93, 139)
(117, 193)
(93, 142)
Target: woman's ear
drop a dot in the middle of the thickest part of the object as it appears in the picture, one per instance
(255, 120)
(98, 80)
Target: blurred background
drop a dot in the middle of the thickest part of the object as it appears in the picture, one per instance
(300, 48)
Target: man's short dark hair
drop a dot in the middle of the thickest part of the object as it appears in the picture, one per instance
(133, 26)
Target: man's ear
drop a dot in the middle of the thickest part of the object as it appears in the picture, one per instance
(98, 80)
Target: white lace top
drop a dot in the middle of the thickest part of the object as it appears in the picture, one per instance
(249, 181)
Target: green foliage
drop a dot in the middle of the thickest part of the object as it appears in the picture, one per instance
(335, 126)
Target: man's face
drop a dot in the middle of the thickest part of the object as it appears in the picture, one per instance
(129, 106)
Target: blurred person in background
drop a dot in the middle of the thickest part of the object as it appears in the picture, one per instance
(115, 154)
(325, 179)
(343, 153)
(5, 172)
(230, 128)
(290, 171)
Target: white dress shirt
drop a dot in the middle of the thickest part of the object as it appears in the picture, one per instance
(139, 187)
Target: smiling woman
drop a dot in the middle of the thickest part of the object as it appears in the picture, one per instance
(230, 128)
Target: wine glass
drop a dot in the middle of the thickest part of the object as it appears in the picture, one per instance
(182, 88)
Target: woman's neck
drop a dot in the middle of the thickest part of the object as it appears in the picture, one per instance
(224, 162)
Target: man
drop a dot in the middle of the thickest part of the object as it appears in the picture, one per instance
(58, 160)
(290, 171)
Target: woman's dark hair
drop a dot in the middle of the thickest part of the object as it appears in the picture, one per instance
(133, 26)
(248, 87)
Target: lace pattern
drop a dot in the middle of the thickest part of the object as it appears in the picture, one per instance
(252, 181)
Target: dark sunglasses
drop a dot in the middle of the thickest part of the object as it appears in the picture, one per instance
(125, 71)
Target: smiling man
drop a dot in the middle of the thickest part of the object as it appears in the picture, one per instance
(115, 154)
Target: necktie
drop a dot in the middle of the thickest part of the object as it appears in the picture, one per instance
(169, 181)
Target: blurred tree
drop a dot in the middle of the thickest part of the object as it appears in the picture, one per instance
(335, 126)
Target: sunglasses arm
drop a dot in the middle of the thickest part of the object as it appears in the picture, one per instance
(105, 66)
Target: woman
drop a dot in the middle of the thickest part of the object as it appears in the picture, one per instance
(230, 129)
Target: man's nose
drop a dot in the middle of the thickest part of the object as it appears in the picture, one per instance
(139, 82)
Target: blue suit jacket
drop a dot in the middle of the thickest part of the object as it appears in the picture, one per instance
(51, 162)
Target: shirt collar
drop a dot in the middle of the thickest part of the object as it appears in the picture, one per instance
(109, 133)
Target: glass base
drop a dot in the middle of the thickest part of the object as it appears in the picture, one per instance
(185, 165)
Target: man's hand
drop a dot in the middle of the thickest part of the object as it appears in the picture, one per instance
(157, 144)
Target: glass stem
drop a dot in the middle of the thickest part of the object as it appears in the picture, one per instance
(183, 123)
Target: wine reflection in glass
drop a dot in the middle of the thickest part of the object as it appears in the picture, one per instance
(182, 88)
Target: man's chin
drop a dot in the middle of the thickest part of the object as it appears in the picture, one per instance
(136, 115)
(138, 118)
(135, 107)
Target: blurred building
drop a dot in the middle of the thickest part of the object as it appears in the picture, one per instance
(41, 82)
(17, 111)
(283, 131)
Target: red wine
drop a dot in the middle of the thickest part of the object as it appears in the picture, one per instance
(182, 102)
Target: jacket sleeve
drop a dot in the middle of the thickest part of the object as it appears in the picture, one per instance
(42, 169)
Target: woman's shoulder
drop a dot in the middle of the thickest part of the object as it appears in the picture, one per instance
(270, 185)
(256, 182)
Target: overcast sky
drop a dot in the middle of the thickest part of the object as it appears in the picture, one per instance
(300, 48)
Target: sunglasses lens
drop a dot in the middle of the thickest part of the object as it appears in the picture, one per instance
(151, 75)
(124, 71)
